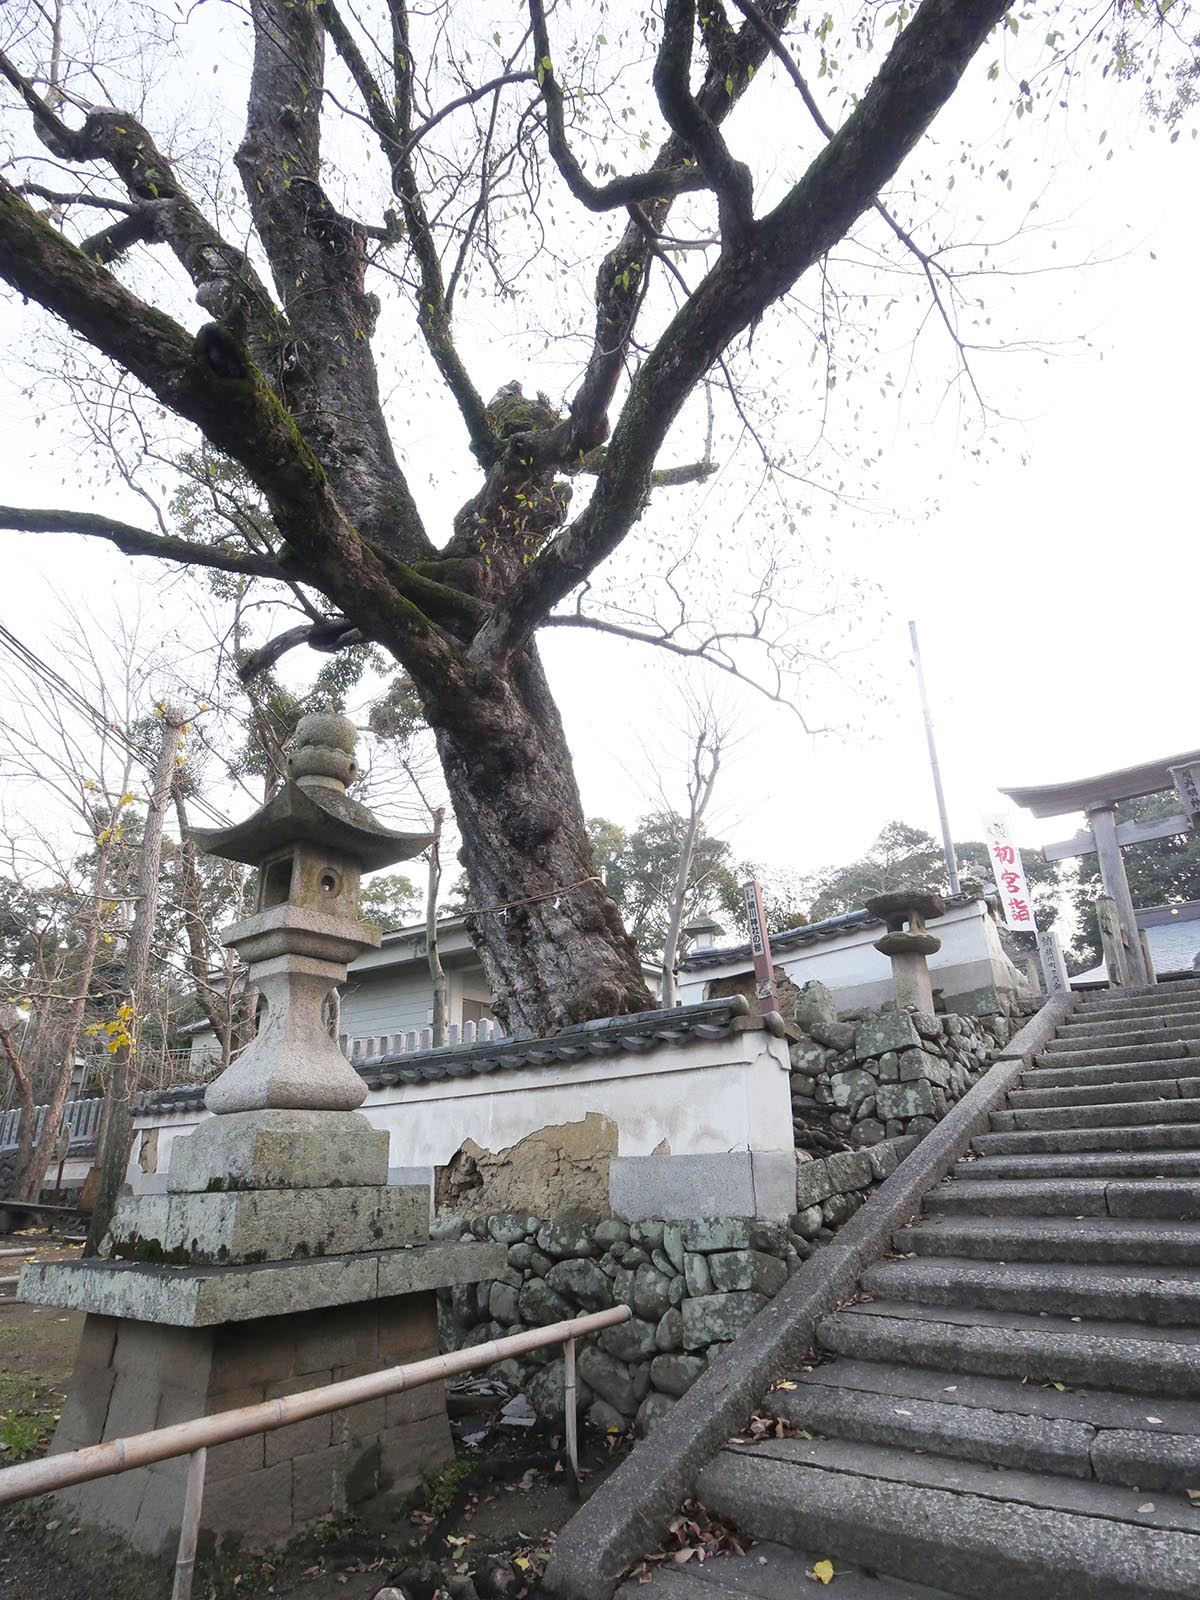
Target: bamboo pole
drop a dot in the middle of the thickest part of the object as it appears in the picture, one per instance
(570, 1418)
(189, 1527)
(182, 1438)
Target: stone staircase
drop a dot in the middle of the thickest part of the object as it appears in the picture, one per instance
(1010, 1410)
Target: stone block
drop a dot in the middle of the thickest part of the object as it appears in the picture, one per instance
(747, 1269)
(851, 1088)
(250, 1508)
(242, 1357)
(675, 1374)
(503, 1304)
(298, 1438)
(651, 1292)
(651, 1412)
(81, 1421)
(566, 1237)
(884, 1159)
(239, 1455)
(609, 1378)
(815, 1005)
(710, 1234)
(606, 1418)
(279, 1150)
(696, 1274)
(669, 1333)
(511, 1228)
(405, 1454)
(319, 1484)
(610, 1232)
(868, 1131)
(905, 1100)
(583, 1281)
(891, 1030)
(717, 1318)
(888, 1067)
(673, 1245)
(334, 1336)
(838, 1036)
(806, 1222)
(540, 1305)
(266, 1225)
(635, 1340)
(414, 1405)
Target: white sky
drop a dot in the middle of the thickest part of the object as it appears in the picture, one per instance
(1055, 599)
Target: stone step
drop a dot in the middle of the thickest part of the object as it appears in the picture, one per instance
(1153, 1022)
(1113, 1037)
(1117, 1293)
(1120, 1055)
(994, 1423)
(1050, 1196)
(1156, 994)
(1154, 1136)
(1125, 1357)
(1127, 1447)
(1083, 1164)
(1112, 1114)
(768, 1572)
(1099, 1094)
(1137, 1072)
(944, 1523)
(1001, 1438)
(1076, 1238)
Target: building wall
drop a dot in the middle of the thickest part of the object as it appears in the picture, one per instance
(968, 969)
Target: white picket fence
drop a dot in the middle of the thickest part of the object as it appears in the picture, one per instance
(82, 1117)
(357, 1048)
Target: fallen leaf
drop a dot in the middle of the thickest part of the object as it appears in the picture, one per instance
(900, 1412)
(822, 1571)
(1153, 1419)
(785, 1383)
(1148, 1506)
(684, 1555)
(1193, 1495)
(951, 1388)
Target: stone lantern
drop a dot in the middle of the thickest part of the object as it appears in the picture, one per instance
(908, 944)
(279, 1256)
(311, 843)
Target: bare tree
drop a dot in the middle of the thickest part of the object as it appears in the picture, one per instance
(421, 156)
(710, 734)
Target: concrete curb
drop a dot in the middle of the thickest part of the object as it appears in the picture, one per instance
(625, 1517)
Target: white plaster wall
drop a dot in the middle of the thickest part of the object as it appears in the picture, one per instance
(704, 1098)
(848, 963)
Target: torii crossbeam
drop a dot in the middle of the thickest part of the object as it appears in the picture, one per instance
(1098, 798)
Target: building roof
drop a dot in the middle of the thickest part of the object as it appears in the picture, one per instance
(638, 1033)
(1173, 933)
(793, 938)
(1106, 788)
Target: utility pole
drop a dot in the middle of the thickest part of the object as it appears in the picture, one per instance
(947, 841)
(115, 1131)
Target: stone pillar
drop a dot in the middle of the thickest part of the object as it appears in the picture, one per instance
(1103, 822)
(907, 943)
(279, 1259)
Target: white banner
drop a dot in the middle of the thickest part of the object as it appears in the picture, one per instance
(1015, 899)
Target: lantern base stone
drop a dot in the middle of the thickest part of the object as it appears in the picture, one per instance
(279, 1150)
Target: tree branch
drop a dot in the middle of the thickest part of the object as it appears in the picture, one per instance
(689, 122)
(137, 542)
(240, 415)
(919, 74)
(399, 141)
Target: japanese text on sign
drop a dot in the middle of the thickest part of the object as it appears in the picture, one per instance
(1015, 901)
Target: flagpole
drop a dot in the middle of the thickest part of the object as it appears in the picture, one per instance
(947, 841)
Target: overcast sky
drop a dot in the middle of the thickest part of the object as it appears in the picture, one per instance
(1052, 574)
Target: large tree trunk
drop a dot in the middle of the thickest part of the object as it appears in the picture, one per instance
(551, 938)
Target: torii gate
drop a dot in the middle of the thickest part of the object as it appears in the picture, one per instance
(1098, 797)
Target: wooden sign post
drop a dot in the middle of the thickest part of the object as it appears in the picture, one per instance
(760, 946)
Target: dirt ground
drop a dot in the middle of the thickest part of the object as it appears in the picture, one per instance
(482, 1528)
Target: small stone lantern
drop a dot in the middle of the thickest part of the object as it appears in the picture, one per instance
(907, 943)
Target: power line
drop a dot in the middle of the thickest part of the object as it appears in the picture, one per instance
(84, 708)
